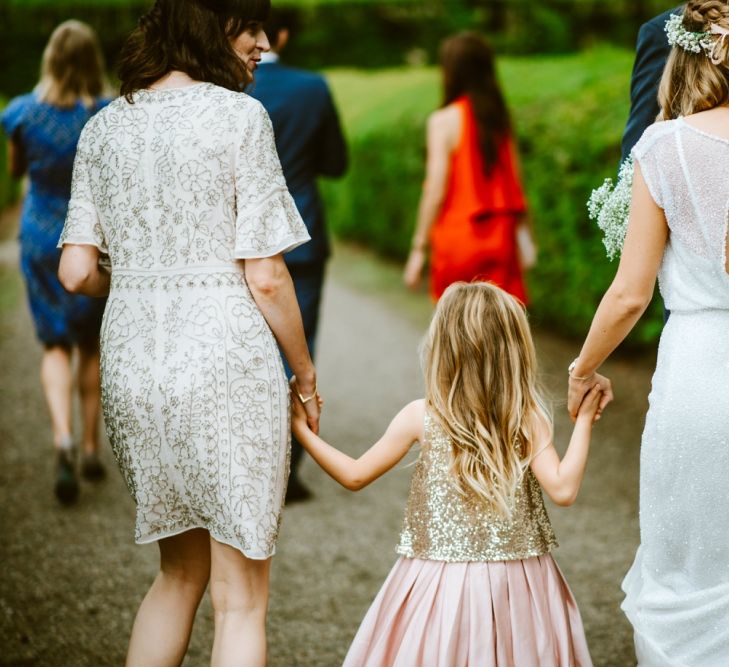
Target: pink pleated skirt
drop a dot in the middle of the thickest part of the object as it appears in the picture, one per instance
(431, 613)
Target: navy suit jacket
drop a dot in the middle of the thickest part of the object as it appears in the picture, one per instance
(309, 141)
(652, 51)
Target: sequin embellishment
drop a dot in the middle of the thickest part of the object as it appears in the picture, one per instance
(442, 524)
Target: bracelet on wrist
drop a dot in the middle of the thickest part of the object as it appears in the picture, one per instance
(294, 385)
(570, 370)
(305, 399)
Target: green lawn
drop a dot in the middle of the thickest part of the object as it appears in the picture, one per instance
(369, 98)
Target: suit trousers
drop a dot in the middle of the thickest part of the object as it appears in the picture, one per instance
(308, 282)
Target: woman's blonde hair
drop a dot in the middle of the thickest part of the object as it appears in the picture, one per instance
(481, 385)
(691, 82)
(72, 68)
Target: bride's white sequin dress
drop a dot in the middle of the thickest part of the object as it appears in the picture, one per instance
(677, 591)
(177, 188)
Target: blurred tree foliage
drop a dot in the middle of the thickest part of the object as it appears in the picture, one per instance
(355, 33)
(569, 112)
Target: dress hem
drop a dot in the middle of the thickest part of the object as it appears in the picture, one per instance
(279, 249)
(406, 553)
(156, 537)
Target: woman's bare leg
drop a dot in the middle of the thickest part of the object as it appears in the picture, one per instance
(57, 382)
(239, 593)
(163, 624)
(89, 386)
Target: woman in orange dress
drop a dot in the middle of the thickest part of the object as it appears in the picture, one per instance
(472, 209)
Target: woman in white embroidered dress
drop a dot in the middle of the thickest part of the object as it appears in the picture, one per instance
(178, 181)
(677, 591)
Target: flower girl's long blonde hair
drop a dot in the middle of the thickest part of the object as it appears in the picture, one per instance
(481, 385)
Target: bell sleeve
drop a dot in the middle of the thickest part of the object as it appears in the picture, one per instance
(83, 226)
(267, 221)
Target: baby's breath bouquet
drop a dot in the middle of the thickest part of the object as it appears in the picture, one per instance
(609, 206)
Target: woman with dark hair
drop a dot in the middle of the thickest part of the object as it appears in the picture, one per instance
(472, 209)
(178, 181)
(43, 129)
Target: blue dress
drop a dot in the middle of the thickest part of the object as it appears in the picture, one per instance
(48, 136)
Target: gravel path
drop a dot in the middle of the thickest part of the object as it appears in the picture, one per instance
(72, 578)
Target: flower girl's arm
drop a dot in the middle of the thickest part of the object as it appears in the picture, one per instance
(561, 480)
(355, 474)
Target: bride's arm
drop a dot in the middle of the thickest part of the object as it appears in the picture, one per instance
(629, 294)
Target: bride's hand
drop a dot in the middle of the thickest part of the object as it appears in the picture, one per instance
(578, 388)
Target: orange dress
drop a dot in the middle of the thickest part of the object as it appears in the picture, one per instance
(474, 237)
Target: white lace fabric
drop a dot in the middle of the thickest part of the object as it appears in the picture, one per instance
(176, 188)
(677, 591)
(685, 171)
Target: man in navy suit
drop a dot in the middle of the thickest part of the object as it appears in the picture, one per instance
(651, 54)
(310, 143)
(652, 51)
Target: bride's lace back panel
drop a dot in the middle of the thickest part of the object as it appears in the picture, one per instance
(687, 173)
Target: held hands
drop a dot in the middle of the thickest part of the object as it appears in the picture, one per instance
(413, 272)
(579, 390)
(590, 404)
(304, 414)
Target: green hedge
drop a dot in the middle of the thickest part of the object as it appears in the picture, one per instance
(569, 112)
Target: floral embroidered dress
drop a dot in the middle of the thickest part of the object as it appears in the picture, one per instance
(177, 188)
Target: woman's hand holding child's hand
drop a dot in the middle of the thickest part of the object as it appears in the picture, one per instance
(578, 389)
(299, 416)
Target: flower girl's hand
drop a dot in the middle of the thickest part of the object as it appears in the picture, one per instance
(299, 421)
(590, 404)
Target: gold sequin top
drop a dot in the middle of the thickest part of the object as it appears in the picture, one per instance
(442, 524)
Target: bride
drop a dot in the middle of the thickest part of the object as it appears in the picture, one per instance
(677, 591)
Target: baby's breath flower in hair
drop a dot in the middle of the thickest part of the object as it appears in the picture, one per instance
(695, 42)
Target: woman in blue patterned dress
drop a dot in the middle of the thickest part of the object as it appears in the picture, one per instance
(43, 128)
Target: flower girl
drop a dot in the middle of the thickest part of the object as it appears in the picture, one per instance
(475, 583)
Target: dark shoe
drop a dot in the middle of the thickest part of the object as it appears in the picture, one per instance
(66, 488)
(91, 467)
(296, 492)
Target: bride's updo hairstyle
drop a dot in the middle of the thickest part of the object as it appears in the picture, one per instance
(192, 36)
(697, 81)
